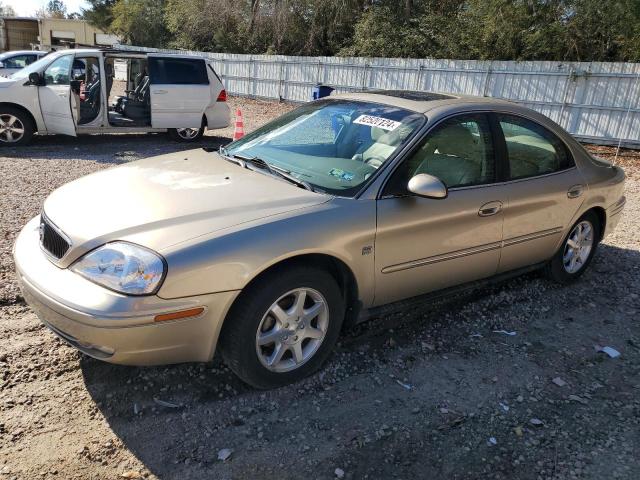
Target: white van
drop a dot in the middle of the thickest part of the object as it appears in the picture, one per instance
(72, 92)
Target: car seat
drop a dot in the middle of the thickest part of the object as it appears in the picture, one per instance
(530, 156)
(383, 145)
(138, 107)
(452, 155)
(90, 106)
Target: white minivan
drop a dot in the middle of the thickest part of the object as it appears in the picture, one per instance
(72, 92)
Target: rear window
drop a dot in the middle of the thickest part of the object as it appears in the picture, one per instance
(180, 71)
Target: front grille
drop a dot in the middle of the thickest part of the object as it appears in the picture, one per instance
(52, 241)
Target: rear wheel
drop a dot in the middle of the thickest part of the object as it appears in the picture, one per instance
(284, 327)
(186, 134)
(16, 127)
(577, 250)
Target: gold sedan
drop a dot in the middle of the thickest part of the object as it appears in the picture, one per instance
(269, 246)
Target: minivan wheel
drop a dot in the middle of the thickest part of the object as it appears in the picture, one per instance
(186, 134)
(283, 327)
(577, 250)
(16, 128)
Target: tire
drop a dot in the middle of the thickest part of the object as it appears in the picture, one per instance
(560, 267)
(251, 333)
(186, 135)
(16, 127)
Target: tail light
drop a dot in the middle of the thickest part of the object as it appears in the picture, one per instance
(222, 96)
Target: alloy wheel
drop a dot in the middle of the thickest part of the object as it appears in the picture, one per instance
(578, 247)
(187, 133)
(292, 330)
(11, 128)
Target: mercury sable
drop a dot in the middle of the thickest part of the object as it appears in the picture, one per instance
(268, 247)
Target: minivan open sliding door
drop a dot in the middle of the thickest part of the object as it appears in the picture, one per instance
(180, 91)
(55, 97)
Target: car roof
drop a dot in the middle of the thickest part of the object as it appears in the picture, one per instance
(419, 101)
(116, 51)
(24, 52)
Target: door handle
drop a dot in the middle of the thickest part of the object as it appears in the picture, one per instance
(490, 208)
(160, 92)
(575, 191)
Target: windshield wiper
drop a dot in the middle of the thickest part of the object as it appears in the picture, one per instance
(276, 171)
(231, 158)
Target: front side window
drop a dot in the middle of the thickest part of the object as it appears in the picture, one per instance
(532, 150)
(19, 61)
(58, 72)
(334, 145)
(458, 151)
(177, 71)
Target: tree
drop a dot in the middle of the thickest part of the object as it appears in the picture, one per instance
(56, 9)
(100, 13)
(6, 10)
(140, 22)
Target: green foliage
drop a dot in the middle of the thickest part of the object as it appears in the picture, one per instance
(559, 30)
(99, 14)
(140, 22)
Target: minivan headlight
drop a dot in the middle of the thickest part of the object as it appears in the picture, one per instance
(123, 267)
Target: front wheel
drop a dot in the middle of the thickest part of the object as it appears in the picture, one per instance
(186, 135)
(577, 250)
(284, 327)
(16, 128)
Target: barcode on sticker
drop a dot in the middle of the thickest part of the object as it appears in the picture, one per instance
(379, 122)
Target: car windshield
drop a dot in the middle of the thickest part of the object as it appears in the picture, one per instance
(36, 66)
(333, 145)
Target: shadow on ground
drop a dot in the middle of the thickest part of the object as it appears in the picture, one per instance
(413, 395)
(107, 148)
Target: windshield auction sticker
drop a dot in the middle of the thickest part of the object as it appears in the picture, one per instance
(379, 122)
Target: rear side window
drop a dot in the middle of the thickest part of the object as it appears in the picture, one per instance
(532, 149)
(177, 71)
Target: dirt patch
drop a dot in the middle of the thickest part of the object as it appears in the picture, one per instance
(430, 393)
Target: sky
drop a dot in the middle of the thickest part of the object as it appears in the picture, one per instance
(26, 8)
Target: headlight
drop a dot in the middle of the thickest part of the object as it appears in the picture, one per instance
(122, 267)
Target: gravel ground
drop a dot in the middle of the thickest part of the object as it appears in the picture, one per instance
(430, 393)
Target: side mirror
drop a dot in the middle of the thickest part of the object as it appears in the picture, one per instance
(35, 78)
(428, 186)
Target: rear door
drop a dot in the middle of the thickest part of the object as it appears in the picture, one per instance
(56, 99)
(180, 91)
(545, 190)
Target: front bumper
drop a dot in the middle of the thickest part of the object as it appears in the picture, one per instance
(110, 326)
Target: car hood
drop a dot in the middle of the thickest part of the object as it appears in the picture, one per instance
(6, 81)
(161, 201)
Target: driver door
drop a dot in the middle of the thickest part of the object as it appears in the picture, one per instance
(56, 99)
(425, 244)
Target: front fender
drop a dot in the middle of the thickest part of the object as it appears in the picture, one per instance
(229, 260)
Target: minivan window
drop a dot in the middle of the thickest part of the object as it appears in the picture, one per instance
(531, 148)
(177, 71)
(58, 72)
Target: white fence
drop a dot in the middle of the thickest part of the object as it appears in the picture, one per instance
(596, 102)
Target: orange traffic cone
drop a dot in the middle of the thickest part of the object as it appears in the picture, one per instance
(238, 133)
